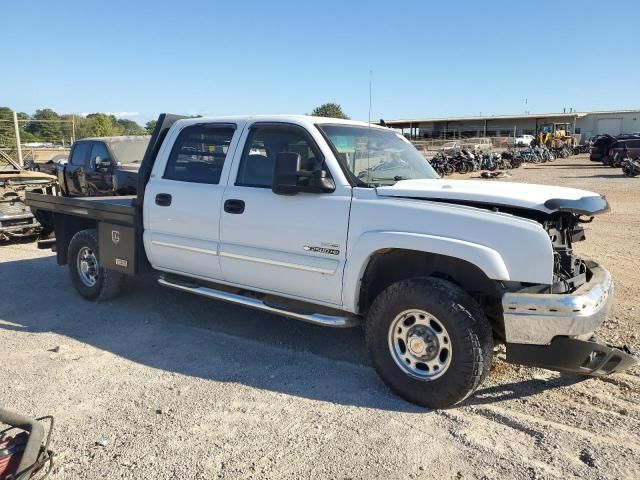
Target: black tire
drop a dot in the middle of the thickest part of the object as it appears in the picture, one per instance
(107, 282)
(469, 332)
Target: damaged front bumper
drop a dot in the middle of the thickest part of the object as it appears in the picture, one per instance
(584, 357)
(555, 331)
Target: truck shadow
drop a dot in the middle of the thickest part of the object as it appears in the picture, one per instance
(187, 335)
(517, 390)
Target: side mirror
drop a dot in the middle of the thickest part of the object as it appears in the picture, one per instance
(289, 178)
(100, 164)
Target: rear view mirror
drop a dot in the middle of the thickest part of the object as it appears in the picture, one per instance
(289, 178)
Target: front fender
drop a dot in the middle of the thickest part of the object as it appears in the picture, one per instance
(486, 259)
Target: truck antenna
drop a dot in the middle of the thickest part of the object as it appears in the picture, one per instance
(370, 95)
(370, 92)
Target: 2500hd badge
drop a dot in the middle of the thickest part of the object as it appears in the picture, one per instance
(322, 249)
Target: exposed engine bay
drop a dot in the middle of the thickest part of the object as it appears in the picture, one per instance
(16, 218)
(564, 227)
(569, 271)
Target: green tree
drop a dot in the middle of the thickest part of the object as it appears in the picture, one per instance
(25, 135)
(66, 127)
(331, 110)
(150, 126)
(7, 133)
(102, 125)
(130, 127)
(82, 127)
(48, 129)
(7, 129)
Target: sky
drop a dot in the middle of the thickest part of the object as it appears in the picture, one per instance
(427, 58)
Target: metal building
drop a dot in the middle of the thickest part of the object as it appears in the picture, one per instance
(586, 124)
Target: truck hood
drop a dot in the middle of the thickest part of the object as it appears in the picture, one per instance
(543, 198)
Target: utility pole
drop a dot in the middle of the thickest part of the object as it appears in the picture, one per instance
(18, 145)
(73, 128)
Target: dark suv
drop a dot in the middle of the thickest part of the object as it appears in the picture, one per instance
(600, 145)
(624, 146)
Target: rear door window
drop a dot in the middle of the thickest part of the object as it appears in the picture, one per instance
(199, 153)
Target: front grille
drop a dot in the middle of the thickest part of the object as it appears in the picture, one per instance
(16, 222)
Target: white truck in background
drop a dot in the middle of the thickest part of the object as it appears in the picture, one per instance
(342, 223)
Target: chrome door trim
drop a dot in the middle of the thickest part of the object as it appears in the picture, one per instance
(184, 247)
(277, 263)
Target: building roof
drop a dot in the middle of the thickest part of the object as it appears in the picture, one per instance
(409, 121)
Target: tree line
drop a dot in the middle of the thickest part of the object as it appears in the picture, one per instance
(48, 126)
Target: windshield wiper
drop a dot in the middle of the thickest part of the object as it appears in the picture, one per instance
(397, 178)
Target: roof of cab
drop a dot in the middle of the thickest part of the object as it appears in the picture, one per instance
(298, 119)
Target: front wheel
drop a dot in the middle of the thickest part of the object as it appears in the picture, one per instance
(91, 280)
(429, 341)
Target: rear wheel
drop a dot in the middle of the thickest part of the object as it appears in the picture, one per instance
(429, 341)
(91, 280)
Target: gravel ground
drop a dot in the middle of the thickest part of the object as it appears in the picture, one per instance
(160, 384)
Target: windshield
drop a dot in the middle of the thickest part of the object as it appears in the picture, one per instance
(375, 156)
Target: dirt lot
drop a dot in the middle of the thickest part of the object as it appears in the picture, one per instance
(160, 384)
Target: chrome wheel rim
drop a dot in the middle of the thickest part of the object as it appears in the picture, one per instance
(87, 267)
(420, 344)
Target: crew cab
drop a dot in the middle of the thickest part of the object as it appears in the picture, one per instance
(342, 223)
(103, 166)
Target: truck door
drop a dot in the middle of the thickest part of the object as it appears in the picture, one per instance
(182, 202)
(98, 172)
(295, 245)
(74, 174)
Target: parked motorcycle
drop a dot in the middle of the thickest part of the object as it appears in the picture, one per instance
(631, 167)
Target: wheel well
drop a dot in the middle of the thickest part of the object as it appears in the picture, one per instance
(389, 266)
(66, 227)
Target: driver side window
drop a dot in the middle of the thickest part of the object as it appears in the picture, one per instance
(99, 149)
(261, 149)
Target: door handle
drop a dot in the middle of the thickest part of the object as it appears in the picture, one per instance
(234, 206)
(163, 199)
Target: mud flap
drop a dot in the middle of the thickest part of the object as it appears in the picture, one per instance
(564, 354)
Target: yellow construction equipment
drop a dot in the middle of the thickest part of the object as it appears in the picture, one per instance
(556, 135)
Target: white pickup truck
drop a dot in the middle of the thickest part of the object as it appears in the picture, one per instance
(342, 223)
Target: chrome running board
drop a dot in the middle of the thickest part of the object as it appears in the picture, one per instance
(317, 318)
